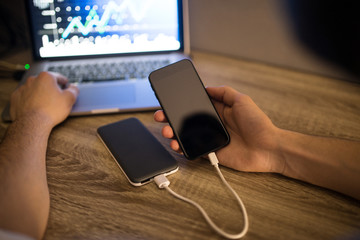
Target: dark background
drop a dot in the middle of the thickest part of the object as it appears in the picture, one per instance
(258, 30)
(13, 27)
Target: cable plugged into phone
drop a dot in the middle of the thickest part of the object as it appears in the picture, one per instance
(163, 182)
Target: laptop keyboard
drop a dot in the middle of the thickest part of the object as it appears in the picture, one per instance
(87, 73)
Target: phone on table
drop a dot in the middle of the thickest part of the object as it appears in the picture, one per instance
(189, 110)
(136, 151)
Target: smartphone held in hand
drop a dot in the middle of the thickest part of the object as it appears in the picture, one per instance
(189, 110)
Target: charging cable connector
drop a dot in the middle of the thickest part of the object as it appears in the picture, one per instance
(162, 181)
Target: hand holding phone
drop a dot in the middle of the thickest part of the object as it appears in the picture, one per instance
(189, 110)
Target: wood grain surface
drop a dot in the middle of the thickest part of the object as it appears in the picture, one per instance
(91, 199)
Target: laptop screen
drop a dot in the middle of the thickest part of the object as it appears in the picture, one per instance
(68, 28)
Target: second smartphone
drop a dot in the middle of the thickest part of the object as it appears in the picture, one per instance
(189, 110)
(140, 156)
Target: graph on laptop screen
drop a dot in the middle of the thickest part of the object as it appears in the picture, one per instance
(79, 28)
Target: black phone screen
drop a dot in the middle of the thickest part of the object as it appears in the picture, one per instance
(137, 152)
(188, 108)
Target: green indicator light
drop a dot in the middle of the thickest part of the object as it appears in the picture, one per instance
(27, 66)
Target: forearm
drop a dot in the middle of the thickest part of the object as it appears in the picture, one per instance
(327, 162)
(24, 203)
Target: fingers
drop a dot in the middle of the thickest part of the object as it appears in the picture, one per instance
(61, 80)
(72, 92)
(167, 132)
(56, 78)
(159, 116)
(175, 146)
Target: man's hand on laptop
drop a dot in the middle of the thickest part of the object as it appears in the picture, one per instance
(46, 98)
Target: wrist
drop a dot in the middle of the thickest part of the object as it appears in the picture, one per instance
(36, 120)
(291, 153)
(276, 154)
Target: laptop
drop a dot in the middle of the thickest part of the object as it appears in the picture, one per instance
(107, 48)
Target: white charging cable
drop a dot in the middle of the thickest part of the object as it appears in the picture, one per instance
(163, 182)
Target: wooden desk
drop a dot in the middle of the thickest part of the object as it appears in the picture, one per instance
(91, 199)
